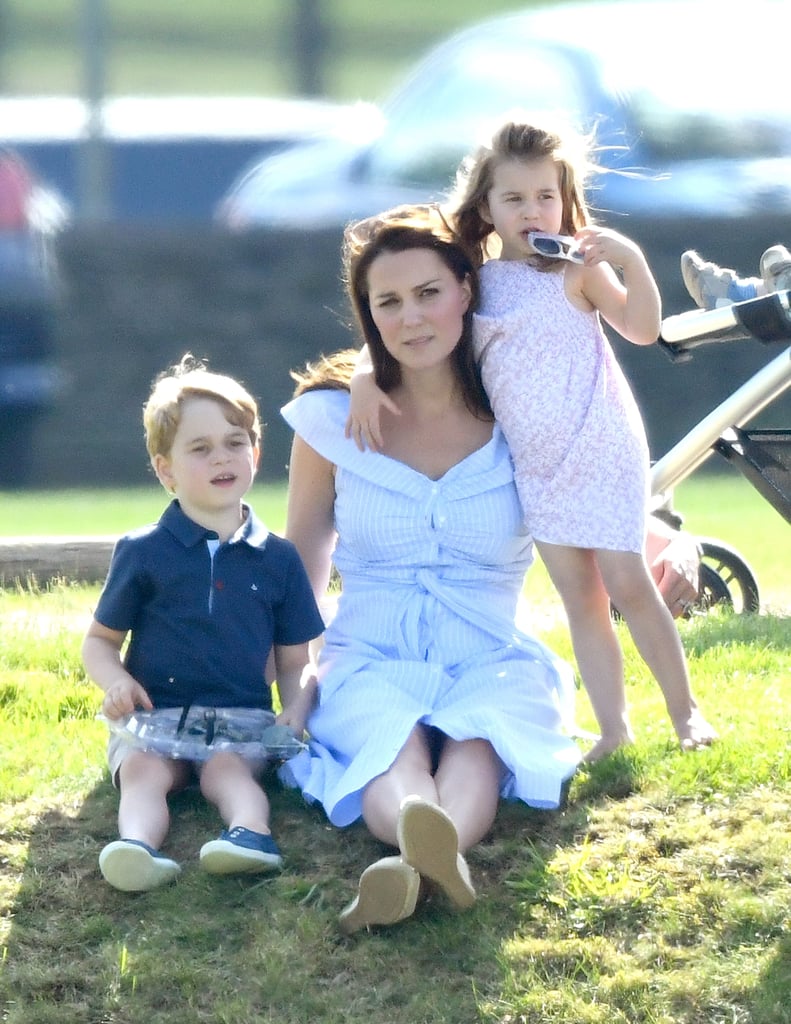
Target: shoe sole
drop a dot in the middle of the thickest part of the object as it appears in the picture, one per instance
(133, 869)
(220, 857)
(387, 894)
(430, 844)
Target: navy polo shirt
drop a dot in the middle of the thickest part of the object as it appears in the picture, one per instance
(203, 616)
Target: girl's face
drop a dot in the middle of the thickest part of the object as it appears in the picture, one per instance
(418, 306)
(212, 461)
(524, 197)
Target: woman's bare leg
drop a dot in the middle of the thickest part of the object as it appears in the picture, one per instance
(468, 787)
(410, 774)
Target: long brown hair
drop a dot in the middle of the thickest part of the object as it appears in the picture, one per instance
(403, 229)
(328, 373)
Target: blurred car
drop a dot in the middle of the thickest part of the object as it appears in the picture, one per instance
(30, 216)
(689, 104)
(168, 158)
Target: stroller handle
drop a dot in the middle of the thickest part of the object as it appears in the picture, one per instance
(766, 319)
(746, 402)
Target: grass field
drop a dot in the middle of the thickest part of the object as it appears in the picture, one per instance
(241, 47)
(660, 895)
(723, 506)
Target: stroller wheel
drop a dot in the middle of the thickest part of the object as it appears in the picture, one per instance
(713, 591)
(726, 579)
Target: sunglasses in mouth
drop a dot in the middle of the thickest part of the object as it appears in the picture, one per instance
(556, 247)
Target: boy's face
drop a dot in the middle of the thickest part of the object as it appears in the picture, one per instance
(212, 462)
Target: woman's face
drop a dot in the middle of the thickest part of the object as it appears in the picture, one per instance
(418, 306)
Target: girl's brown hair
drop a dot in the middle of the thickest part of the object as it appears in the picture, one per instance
(520, 141)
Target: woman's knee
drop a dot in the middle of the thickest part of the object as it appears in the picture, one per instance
(473, 755)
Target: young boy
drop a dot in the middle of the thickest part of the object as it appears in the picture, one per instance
(207, 593)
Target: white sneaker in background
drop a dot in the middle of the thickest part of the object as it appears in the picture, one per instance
(776, 268)
(712, 286)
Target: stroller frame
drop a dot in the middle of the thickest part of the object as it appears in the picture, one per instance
(762, 456)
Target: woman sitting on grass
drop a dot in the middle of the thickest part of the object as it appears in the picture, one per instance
(433, 703)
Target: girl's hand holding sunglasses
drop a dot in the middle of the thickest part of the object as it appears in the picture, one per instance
(557, 247)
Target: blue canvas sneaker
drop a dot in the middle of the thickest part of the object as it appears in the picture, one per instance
(133, 866)
(240, 850)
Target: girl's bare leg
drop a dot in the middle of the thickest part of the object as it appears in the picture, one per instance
(576, 577)
(656, 637)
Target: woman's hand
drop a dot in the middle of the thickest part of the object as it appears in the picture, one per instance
(674, 561)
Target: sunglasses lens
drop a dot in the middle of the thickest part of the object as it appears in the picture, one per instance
(546, 246)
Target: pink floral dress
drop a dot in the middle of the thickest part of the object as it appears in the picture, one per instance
(573, 427)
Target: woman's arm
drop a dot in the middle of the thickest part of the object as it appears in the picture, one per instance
(310, 516)
(674, 560)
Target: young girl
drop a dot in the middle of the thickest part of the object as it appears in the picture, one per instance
(573, 428)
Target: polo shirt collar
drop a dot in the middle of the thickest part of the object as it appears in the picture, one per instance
(189, 533)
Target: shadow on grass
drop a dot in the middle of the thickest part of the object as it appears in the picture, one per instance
(772, 1003)
(266, 949)
(262, 948)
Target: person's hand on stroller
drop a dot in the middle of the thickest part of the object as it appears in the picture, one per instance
(674, 560)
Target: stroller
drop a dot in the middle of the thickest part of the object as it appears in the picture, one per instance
(762, 456)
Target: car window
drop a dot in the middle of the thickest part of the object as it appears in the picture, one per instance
(447, 107)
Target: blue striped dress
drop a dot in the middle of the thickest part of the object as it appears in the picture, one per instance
(425, 629)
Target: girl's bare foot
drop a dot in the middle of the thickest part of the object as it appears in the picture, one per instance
(607, 745)
(694, 732)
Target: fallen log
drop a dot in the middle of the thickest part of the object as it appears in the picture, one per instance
(39, 560)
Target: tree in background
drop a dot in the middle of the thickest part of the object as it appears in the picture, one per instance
(5, 35)
(309, 39)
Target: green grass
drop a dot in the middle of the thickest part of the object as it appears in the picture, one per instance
(660, 895)
(86, 511)
(241, 47)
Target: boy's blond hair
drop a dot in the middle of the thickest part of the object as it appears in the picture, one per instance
(191, 379)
